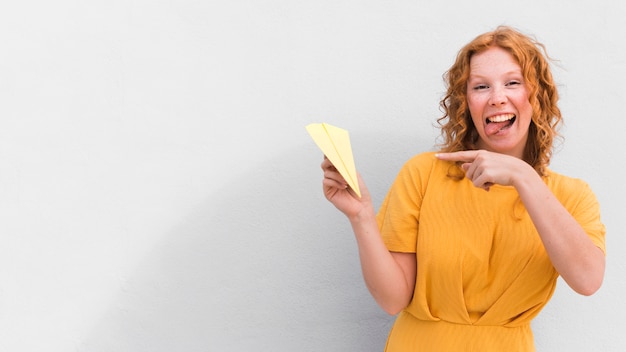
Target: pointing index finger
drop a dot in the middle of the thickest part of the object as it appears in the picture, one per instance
(467, 156)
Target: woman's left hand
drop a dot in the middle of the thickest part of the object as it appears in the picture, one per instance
(576, 258)
(486, 168)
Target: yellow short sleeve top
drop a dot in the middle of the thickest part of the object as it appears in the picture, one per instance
(480, 260)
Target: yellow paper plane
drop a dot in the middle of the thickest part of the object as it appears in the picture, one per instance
(335, 144)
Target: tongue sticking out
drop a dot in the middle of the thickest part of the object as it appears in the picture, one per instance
(495, 127)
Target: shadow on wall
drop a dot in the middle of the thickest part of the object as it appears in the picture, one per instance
(265, 264)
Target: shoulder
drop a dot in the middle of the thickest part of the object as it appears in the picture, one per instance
(571, 191)
(422, 169)
(426, 164)
(425, 160)
(565, 184)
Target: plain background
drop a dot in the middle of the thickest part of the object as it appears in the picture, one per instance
(159, 192)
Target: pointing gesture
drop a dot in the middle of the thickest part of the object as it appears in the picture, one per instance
(485, 168)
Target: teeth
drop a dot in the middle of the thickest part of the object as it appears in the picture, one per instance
(500, 118)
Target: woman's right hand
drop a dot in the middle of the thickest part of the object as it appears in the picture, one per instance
(337, 191)
(390, 277)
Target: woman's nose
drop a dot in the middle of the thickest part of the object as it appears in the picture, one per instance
(497, 97)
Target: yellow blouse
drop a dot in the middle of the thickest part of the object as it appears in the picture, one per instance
(482, 271)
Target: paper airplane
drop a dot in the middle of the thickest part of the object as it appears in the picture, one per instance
(335, 144)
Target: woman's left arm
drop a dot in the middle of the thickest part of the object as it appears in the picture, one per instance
(577, 259)
(574, 255)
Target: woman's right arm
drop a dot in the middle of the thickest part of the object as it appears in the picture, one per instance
(389, 276)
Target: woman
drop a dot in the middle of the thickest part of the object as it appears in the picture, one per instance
(469, 242)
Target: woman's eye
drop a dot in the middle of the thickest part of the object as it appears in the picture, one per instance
(514, 83)
(480, 86)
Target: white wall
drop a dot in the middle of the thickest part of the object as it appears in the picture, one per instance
(158, 190)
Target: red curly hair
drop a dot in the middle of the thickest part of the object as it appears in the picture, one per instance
(457, 129)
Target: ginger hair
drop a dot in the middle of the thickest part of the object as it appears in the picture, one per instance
(457, 129)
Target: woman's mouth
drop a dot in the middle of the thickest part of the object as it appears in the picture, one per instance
(498, 123)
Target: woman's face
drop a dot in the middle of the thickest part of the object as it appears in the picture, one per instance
(497, 97)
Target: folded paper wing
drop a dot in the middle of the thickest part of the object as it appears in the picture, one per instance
(335, 144)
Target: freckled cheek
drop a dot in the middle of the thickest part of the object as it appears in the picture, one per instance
(475, 107)
(476, 99)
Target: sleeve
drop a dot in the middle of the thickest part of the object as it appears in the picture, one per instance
(587, 213)
(398, 217)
